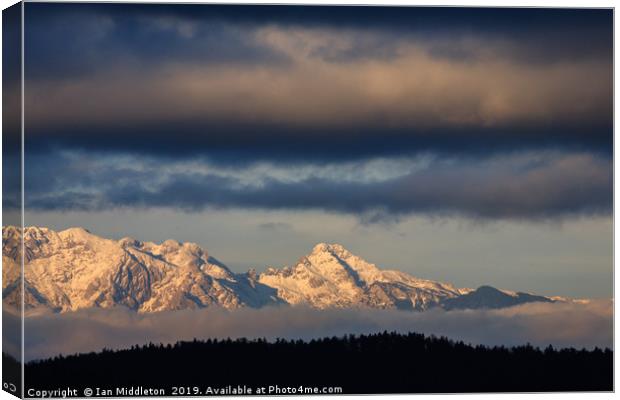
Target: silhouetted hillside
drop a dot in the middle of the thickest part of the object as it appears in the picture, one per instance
(379, 363)
(11, 375)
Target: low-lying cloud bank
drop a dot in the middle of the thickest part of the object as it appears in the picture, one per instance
(560, 324)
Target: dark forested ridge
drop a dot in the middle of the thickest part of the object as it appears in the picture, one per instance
(378, 363)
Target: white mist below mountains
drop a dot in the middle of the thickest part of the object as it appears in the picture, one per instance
(74, 269)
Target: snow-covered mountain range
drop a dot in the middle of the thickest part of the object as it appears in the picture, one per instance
(74, 269)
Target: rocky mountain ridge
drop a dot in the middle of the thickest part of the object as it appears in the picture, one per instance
(74, 269)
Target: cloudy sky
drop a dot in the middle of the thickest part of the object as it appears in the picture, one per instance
(468, 145)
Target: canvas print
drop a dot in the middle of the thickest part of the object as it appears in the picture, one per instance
(207, 199)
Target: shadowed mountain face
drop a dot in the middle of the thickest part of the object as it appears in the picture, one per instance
(489, 297)
(74, 269)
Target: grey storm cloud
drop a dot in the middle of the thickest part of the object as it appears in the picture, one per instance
(153, 34)
(316, 83)
(308, 86)
(560, 324)
(518, 187)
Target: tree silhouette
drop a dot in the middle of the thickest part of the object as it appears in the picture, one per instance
(376, 363)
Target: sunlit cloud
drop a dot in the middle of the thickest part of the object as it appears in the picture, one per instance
(415, 88)
(322, 86)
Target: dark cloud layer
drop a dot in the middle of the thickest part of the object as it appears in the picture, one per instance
(541, 324)
(547, 35)
(65, 42)
(234, 144)
(247, 83)
(294, 86)
(535, 187)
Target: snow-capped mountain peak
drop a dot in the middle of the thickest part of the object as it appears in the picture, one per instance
(333, 254)
(332, 276)
(74, 268)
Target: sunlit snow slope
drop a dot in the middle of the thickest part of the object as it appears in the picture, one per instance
(73, 269)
